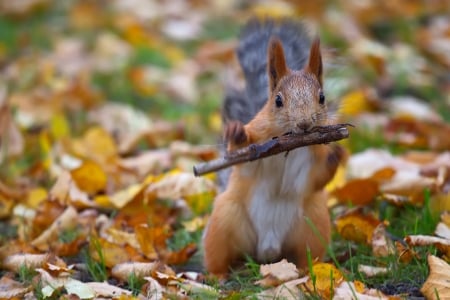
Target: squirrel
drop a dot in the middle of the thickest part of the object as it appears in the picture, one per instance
(268, 205)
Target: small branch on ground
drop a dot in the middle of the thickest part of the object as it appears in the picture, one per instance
(285, 143)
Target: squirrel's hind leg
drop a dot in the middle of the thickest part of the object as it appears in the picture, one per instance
(227, 237)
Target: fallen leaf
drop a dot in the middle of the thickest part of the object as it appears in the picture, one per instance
(32, 261)
(104, 289)
(277, 273)
(437, 285)
(139, 269)
(89, 177)
(382, 246)
(349, 290)
(193, 287)
(356, 226)
(424, 240)
(405, 254)
(11, 289)
(323, 279)
(371, 271)
(67, 220)
(287, 290)
(153, 289)
(442, 230)
(357, 191)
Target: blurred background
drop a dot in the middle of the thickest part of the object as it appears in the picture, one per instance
(105, 105)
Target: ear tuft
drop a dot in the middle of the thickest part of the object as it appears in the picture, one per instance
(314, 65)
(277, 67)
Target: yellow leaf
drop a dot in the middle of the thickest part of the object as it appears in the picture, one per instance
(46, 146)
(103, 201)
(59, 127)
(437, 285)
(274, 10)
(357, 227)
(90, 177)
(36, 196)
(326, 278)
(195, 224)
(338, 179)
(121, 198)
(354, 103)
(96, 144)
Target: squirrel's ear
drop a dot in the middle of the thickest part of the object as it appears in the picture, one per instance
(314, 65)
(277, 67)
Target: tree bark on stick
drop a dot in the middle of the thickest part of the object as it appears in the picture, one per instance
(285, 143)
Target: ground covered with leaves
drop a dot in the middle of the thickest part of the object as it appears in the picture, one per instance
(105, 106)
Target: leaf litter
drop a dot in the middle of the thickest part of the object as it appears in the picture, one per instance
(104, 113)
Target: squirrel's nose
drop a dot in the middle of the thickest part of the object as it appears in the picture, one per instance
(302, 125)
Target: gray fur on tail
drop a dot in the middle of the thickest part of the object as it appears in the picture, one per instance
(243, 105)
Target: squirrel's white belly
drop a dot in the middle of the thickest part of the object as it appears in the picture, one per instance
(277, 198)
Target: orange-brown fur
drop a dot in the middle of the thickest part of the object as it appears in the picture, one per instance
(231, 233)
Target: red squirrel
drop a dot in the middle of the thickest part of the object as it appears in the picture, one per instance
(264, 208)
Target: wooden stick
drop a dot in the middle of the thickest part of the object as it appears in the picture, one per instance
(285, 143)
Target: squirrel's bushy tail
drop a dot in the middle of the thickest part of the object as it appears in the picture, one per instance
(243, 104)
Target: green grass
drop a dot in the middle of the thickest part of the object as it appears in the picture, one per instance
(408, 220)
(135, 284)
(96, 269)
(26, 274)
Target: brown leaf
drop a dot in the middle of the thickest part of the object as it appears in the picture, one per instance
(139, 269)
(424, 240)
(437, 285)
(357, 191)
(405, 254)
(11, 289)
(66, 221)
(382, 246)
(16, 261)
(113, 254)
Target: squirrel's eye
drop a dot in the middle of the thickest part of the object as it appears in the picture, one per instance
(278, 100)
(321, 98)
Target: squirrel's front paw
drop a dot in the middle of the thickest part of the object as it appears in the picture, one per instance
(235, 133)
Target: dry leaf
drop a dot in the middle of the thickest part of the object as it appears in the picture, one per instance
(371, 271)
(194, 287)
(287, 290)
(277, 273)
(405, 254)
(104, 289)
(139, 269)
(382, 246)
(16, 261)
(89, 177)
(442, 230)
(327, 277)
(67, 220)
(11, 289)
(357, 227)
(437, 285)
(153, 289)
(425, 240)
(357, 191)
(349, 290)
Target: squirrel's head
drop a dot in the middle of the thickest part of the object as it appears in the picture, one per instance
(296, 98)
